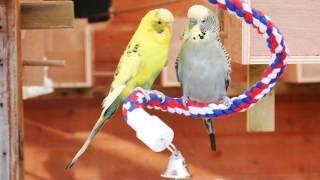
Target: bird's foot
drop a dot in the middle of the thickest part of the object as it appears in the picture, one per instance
(185, 100)
(142, 91)
(226, 101)
(160, 95)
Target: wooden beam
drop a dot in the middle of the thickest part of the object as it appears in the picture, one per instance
(46, 14)
(11, 117)
(144, 5)
(261, 117)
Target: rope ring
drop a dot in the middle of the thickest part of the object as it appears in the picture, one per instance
(140, 98)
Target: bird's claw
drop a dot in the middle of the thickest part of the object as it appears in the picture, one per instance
(160, 94)
(145, 94)
(226, 101)
(185, 100)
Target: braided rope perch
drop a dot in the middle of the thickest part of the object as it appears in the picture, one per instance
(156, 100)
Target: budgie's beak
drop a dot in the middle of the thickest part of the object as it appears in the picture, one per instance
(166, 17)
(196, 14)
(192, 23)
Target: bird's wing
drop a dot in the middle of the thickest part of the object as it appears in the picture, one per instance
(228, 63)
(177, 67)
(228, 76)
(129, 65)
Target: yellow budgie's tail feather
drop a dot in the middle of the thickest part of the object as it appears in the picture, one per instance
(112, 96)
(110, 105)
(99, 124)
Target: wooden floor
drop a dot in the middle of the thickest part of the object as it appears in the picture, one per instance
(55, 129)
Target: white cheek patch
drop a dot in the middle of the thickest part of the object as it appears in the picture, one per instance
(197, 36)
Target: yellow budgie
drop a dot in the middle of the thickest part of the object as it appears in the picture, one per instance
(140, 64)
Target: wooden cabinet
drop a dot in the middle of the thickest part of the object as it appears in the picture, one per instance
(302, 73)
(300, 25)
(298, 22)
(73, 45)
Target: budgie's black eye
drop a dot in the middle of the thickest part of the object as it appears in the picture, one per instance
(203, 21)
(159, 22)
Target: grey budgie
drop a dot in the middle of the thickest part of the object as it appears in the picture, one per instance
(203, 65)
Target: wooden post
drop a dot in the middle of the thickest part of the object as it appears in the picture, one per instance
(51, 63)
(261, 117)
(11, 122)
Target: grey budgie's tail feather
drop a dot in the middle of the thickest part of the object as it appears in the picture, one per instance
(210, 128)
(213, 145)
(104, 117)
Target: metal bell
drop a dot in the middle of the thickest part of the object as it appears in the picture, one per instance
(177, 166)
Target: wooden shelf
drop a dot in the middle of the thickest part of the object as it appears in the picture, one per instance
(46, 14)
